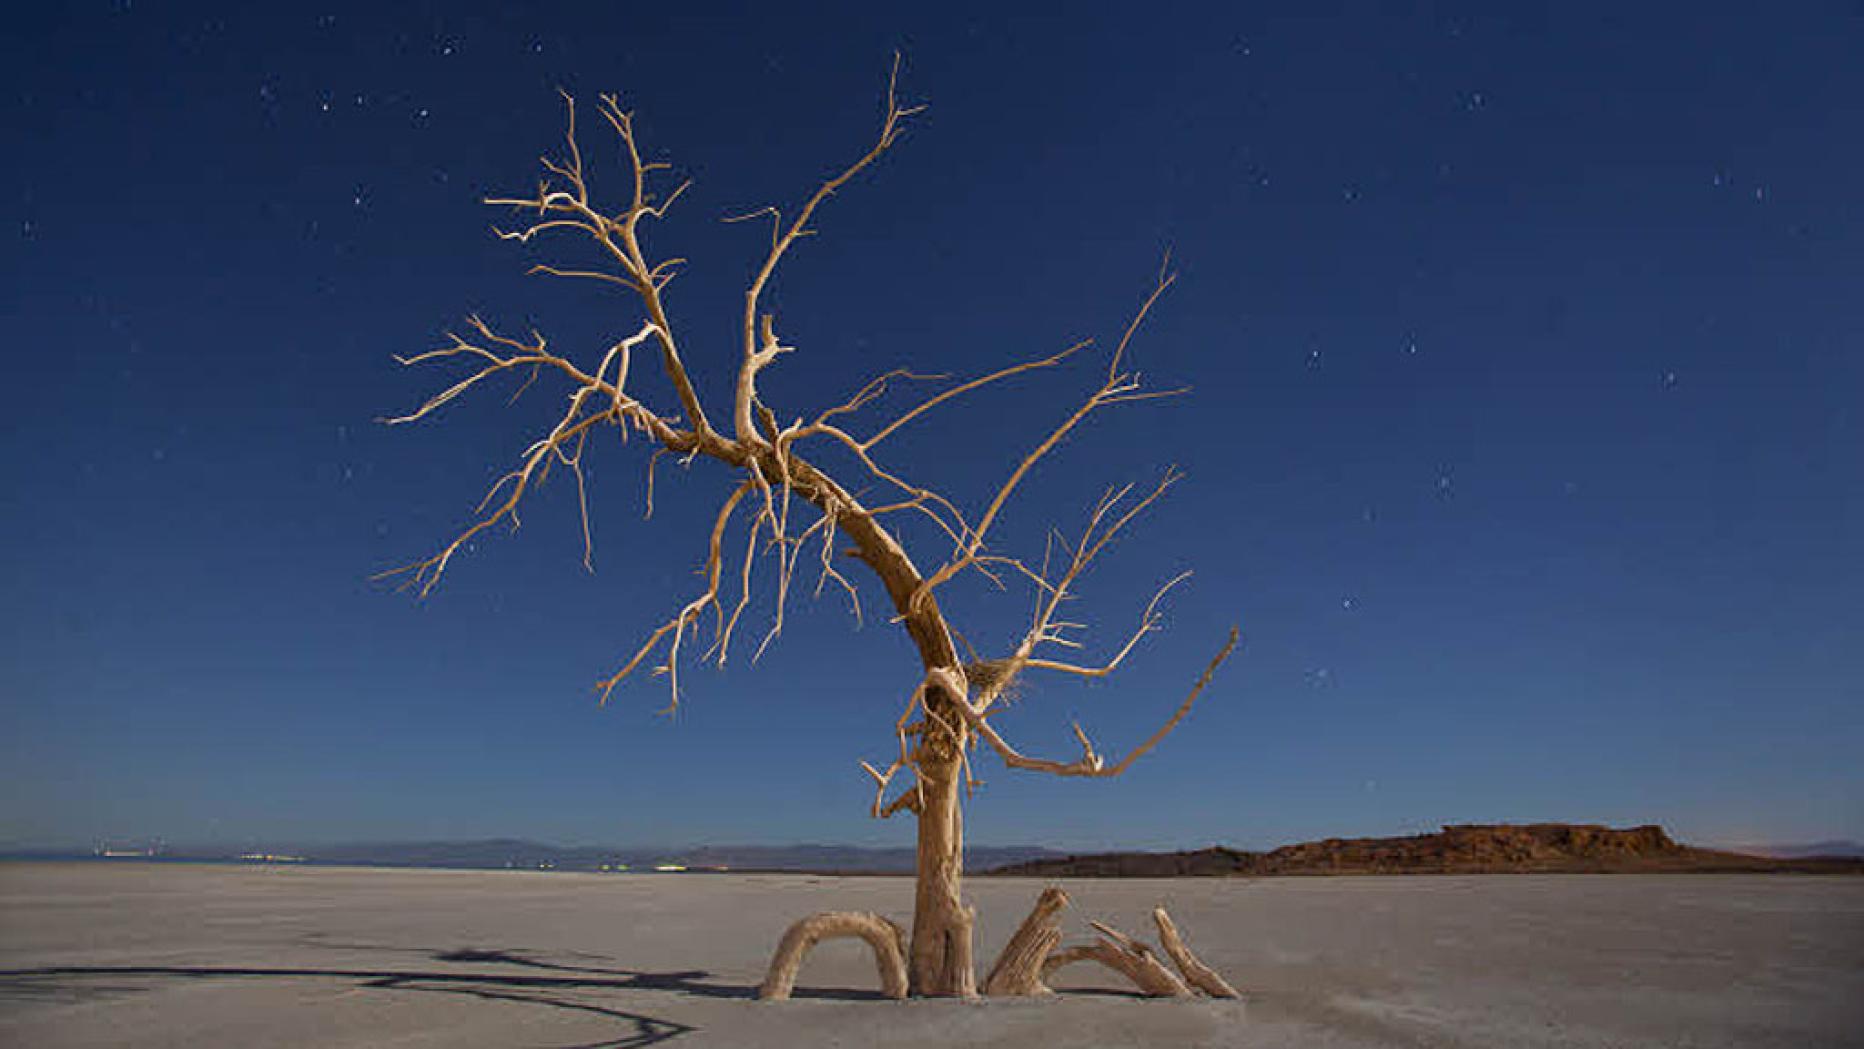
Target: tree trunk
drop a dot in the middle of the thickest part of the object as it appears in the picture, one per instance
(941, 944)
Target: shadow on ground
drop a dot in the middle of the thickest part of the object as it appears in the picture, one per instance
(567, 991)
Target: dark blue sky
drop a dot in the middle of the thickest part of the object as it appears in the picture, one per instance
(1524, 444)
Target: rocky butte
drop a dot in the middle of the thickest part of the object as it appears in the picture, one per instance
(1458, 849)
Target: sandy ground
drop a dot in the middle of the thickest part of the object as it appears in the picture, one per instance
(156, 955)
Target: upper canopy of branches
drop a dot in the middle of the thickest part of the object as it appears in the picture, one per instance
(785, 507)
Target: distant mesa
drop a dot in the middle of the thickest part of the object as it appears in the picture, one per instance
(1500, 848)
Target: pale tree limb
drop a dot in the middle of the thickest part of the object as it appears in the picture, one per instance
(830, 572)
(919, 496)
(914, 798)
(1118, 388)
(873, 390)
(957, 391)
(687, 615)
(1126, 956)
(1195, 972)
(535, 463)
(1165, 280)
(886, 938)
(1148, 622)
(907, 801)
(1045, 628)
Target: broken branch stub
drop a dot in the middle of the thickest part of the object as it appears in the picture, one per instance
(1018, 971)
(1196, 973)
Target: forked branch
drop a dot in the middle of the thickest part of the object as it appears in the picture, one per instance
(1090, 763)
(592, 391)
(563, 203)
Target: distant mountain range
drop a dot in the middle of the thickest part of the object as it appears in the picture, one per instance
(1485, 848)
(1850, 849)
(1464, 849)
(501, 853)
(512, 853)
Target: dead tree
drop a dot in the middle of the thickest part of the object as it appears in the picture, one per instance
(787, 509)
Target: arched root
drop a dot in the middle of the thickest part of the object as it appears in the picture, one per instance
(886, 938)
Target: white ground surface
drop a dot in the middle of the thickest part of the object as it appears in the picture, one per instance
(200, 956)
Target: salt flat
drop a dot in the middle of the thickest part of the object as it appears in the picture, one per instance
(95, 954)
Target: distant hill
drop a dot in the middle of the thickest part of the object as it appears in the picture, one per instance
(1465, 849)
(1850, 849)
(1462, 849)
(511, 853)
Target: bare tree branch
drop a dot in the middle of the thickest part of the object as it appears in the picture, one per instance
(570, 208)
(1090, 763)
(677, 626)
(958, 391)
(757, 356)
(1118, 387)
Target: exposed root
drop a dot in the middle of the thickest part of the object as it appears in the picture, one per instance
(1196, 973)
(1018, 971)
(886, 938)
(1126, 956)
(1023, 966)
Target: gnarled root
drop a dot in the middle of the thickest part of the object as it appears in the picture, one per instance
(886, 938)
(1018, 971)
(1126, 956)
(1032, 954)
(1196, 973)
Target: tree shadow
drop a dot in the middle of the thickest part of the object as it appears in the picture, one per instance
(694, 981)
(551, 984)
(1091, 991)
(76, 983)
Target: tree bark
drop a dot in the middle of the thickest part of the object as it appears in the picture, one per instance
(1018, 972)
(941, 964)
